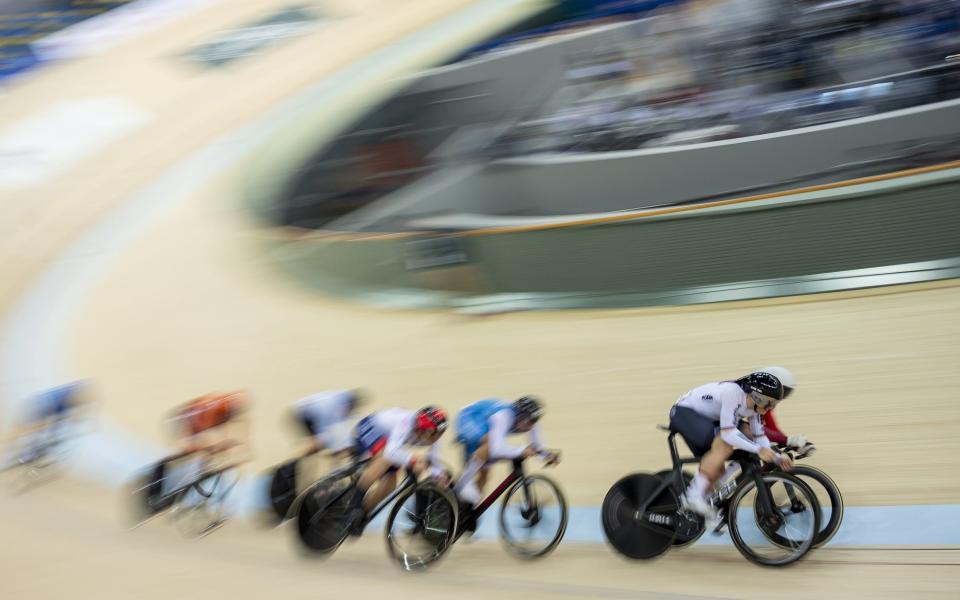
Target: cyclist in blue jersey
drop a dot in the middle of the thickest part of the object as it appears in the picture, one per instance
(45, 421)
(482, 428)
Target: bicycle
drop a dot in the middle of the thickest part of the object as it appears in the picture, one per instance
(322, 510)
(197, 505)
(531, 517)
(642, 515)
(830, 499)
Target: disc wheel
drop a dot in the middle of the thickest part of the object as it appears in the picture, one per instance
(698, 522)
(635, 534)
(322, 515)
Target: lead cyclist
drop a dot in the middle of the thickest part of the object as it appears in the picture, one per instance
(709, 418)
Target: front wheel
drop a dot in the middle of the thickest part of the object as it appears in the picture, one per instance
(533, 517)
(776, 524)
(421, 526)
(831, 502)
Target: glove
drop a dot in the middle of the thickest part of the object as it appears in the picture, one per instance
(797, 441)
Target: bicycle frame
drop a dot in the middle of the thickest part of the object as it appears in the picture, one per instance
(515, 475)
(749, 469)
(409, 481)
(347, 469)
(194, 483)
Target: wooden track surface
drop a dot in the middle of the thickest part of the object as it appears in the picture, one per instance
(82, 548)
(194, 306)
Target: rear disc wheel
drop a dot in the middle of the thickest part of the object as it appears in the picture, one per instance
(635, 534)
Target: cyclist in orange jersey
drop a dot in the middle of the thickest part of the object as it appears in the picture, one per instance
(213, 424)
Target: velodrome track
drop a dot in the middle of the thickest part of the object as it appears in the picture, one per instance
(184, 303)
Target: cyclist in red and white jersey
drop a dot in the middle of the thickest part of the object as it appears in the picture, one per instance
(390, 436)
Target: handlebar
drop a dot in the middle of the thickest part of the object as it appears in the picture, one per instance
(795, 453)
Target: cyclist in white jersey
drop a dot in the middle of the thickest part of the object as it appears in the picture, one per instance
(323, 416)
(389, 437)
(709, 418)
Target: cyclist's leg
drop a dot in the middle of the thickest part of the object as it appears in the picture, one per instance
(38, 436)
(375, 470)
(469, 486)
(387, 483)
(309, 427)
(714, 461)
(701, 435)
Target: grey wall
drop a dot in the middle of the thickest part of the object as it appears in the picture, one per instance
(664, 259)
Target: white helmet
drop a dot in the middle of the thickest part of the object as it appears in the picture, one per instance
(785, 376)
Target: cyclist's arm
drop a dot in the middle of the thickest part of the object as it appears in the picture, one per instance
(499, 429)
(772, 430)
(536, 440)
(756, 429)
(729, 432)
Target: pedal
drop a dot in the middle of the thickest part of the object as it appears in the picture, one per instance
(719, 529)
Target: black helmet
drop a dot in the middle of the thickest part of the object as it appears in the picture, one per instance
(765, 388)
(528, 407)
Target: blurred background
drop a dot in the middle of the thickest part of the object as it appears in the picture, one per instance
(288, 197)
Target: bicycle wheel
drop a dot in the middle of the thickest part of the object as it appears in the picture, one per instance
(283, 490)
(829, 498)
(421, 526)
(699, 523)
(533, 517)
(636, 535)
(831, 502)
(322, 514)
(792, 516)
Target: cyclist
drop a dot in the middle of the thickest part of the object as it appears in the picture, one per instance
(482, 428)
(709, 417)
(390, 436)
(48, 414)
(321, 416)
(770, 427)
(212, 424)
(206, 428)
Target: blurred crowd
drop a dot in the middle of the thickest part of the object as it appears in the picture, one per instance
(680, 72)
(740, 68)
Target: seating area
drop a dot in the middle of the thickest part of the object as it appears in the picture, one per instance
(677, 85)
(20, 27)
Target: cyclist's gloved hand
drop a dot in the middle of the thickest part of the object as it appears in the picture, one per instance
(551, 457)
(797, 441)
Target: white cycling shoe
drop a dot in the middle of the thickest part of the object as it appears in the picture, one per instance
(701, 506)
(470, 494)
